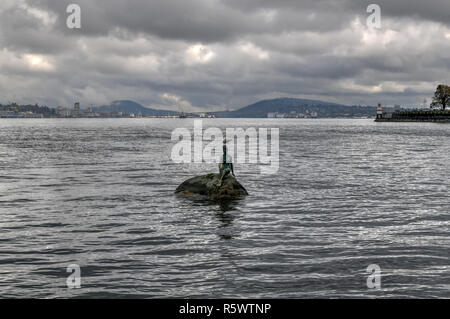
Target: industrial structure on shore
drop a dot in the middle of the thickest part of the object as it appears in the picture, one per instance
(77, 112)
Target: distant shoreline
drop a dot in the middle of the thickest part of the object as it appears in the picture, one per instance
(177, 118)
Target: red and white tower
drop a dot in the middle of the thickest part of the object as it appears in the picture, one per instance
(379, 111)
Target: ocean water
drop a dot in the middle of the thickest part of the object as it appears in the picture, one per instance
(348, 193)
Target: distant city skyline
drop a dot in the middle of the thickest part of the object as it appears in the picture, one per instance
(208, 56)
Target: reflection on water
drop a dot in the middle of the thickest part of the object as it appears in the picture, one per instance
(227, 205)
(100, 194)
(226, 221)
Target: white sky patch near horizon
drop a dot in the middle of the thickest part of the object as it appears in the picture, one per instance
(372, 37)
(90, 93)
(384, 86)
(254, 51)
(38, 63)
(352, 86)
(143, 64)
(176, 102)
(199, 53)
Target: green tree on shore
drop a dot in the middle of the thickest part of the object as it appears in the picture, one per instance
(441, 97)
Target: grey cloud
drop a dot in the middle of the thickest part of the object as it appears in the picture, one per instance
(141, 50)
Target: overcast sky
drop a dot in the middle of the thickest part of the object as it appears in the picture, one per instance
(222, 54)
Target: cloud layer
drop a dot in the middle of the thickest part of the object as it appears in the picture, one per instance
(212, 54)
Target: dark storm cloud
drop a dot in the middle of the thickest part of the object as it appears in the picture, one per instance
(196, 20)
(222, 54)
(21, 31)
(436, 10)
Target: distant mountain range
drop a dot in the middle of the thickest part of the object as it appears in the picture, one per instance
(257, 110)
(128, 107)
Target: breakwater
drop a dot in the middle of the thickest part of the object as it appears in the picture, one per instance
(415, 116)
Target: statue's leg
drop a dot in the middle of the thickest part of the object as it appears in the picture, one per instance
(226, 173)
(219, 180)
(223, 174)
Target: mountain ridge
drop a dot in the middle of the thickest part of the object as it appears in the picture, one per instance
(259, 109)
(285, 105)
(128, 106)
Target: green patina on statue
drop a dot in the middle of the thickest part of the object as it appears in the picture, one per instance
(217, 186)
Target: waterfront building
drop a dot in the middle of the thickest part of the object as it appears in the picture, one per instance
(63, 112)
(76, 110)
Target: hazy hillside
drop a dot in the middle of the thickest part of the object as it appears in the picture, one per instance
(257, 110)
(128, 107)
(287, 105)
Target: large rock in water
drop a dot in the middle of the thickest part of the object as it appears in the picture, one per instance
(207, 185)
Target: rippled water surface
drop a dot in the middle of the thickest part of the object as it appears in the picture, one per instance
(348, 193)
